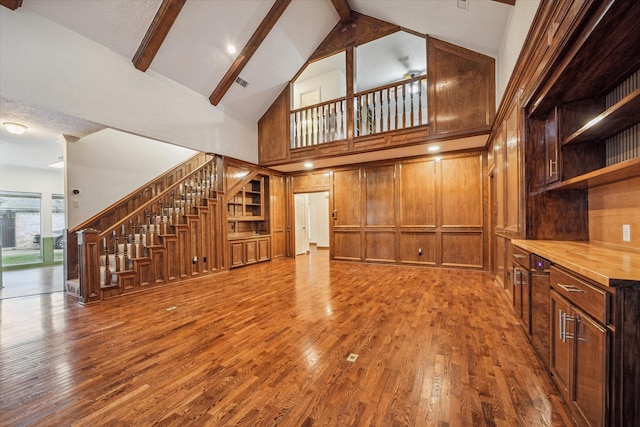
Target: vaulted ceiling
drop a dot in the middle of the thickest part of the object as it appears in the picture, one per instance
(185, 42)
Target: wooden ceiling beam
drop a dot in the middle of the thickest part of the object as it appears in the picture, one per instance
(11, 4)
(163, 21)
(254, 42)
(509, 2)
(344, 10)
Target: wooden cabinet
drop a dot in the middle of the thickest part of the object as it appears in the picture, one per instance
(594, 338)
(248, 203)
(249, 250)
(561, 352)
(551, 154)
(580, 345)
(248, 218)
(521, 288)
(589, 107)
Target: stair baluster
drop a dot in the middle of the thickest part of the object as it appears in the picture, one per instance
(107, 271)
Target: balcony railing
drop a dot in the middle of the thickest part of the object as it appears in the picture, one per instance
(319, 123)
(387, 108)
(392, 107)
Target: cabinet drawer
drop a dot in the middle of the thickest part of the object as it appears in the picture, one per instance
(521, 257)
(592, 300)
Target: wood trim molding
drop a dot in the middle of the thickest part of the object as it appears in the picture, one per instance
(163, 21)
(344, 10)
(363, 29)
(14, 4)
(254, 42)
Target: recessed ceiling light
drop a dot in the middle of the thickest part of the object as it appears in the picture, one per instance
(15, 128)
(433, 148)
(308, 165)
(231, 49)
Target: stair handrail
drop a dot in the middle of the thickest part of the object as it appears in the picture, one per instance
(206, 158)
(153, 200)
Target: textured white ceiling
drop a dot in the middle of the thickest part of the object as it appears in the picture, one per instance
(119, 25)
(479, 28)
(193, 59)
(40, 145)
(194, 53)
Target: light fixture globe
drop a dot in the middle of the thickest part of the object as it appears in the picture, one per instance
(15, 128)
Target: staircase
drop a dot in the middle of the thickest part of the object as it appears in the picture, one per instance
(170, 230)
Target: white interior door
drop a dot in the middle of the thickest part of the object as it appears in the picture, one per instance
(302, 223)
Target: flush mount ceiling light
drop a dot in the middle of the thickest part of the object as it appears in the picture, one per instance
(433, 148)
(308, 165)
(15, 128)
(231, 49)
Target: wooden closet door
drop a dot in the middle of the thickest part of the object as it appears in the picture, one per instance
(346, 214)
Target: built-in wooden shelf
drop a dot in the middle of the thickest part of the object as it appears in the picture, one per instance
(620, 116)
(607, 175)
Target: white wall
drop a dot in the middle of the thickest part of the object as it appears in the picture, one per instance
(514, 36)
(46, 65)
(108, 165)
(332, 85)
(319, 213)
(32, 180)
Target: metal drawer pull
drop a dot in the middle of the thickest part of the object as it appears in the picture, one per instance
(562, 326)
(519, 256)
(516, 272)
(572, 288)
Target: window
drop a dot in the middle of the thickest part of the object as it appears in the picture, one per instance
(20, 227)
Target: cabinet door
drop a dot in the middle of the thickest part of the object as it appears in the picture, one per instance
(251, 251)
(237, 254)
(552, 127)
(517, 290)
(525, 288)
(561, 343)
(590, 368)
(264, 250)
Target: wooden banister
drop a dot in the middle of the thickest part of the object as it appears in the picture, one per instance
(164, 239)
(167, 178)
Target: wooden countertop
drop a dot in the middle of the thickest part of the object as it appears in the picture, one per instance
(606, 266)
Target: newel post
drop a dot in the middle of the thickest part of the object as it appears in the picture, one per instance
(89, 265)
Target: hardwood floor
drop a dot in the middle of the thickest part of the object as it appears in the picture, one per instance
(32, 281)
(267, 345)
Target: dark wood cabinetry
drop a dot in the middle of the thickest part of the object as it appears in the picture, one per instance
(580, 346)
(594, 339)
(521, 288)
(585, 116)
(530, 279)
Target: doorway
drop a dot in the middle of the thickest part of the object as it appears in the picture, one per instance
(312, 221)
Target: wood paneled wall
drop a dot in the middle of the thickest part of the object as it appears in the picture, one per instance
(611, 206)
(278, 208)
(274, 129)
(424, 211)
(461, 88)
(461, 99)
